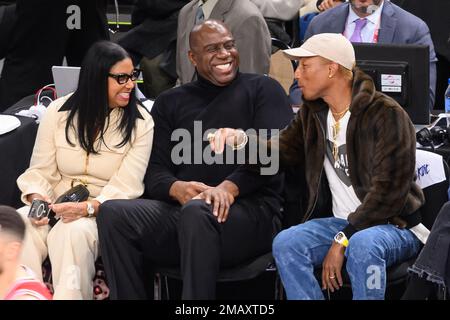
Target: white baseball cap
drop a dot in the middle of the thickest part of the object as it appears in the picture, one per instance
(332, 46)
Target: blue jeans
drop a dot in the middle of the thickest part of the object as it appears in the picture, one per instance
(301, 248)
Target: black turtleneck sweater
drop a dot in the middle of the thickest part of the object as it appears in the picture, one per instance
(250, 101)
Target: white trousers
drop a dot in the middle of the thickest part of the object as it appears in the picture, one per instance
(72, 248)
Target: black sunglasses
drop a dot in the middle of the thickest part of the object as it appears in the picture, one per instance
(123, 78)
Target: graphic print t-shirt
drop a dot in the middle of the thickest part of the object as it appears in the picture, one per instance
(344, 198)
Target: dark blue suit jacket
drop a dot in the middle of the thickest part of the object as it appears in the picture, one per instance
(397, 27)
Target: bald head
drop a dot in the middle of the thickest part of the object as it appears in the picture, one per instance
(198, 33)
(213, 52)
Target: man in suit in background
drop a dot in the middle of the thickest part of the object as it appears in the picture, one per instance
(376, 21)
(152, 42)
(246, 23)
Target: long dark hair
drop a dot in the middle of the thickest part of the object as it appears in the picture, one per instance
(89, 103)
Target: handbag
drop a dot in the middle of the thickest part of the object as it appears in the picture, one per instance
(78, 193)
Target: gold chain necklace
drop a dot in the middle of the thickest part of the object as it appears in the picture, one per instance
(336, 128)
(339, 115)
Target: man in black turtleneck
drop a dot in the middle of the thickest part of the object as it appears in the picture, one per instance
(201, 216)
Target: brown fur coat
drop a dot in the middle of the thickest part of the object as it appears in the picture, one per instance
(381, 148)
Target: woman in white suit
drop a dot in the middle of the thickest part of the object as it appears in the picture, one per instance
(99, 137)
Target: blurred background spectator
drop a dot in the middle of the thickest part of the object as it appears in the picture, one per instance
(152, 42)
(43, 33)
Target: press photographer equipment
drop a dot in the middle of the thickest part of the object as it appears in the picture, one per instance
(435, 135)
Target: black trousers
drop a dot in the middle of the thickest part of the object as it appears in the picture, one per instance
(433, 262)
(134, 231)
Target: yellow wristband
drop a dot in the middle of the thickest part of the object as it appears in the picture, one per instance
(345, 242)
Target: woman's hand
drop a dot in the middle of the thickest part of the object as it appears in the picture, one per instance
(40, 223)
(70, 211)
(38, 196)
